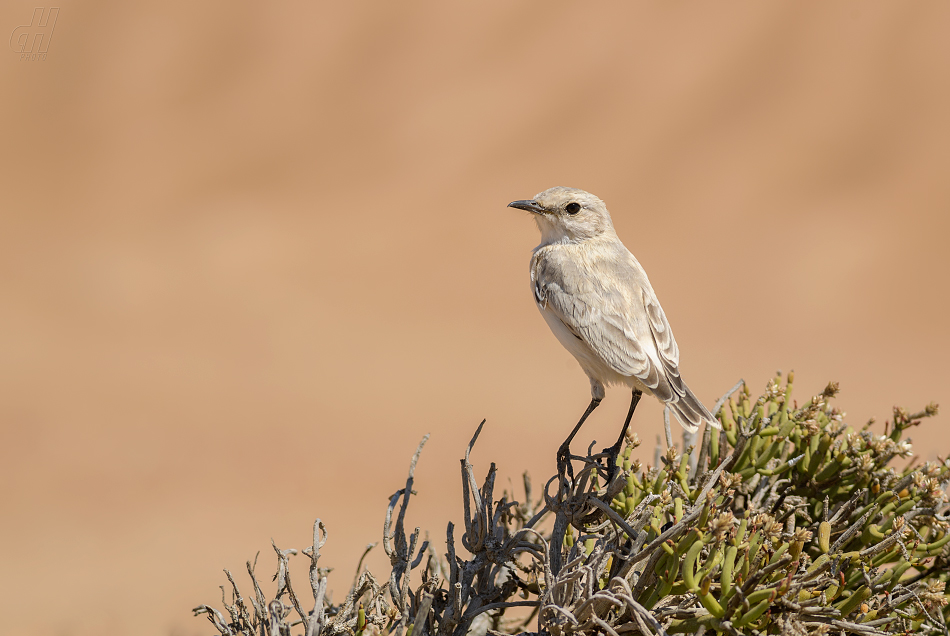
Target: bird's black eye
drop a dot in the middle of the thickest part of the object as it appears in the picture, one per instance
(573, 208)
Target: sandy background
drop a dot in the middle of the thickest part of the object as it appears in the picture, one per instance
(249, 255)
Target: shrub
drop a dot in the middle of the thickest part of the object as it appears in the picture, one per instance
(788, 521)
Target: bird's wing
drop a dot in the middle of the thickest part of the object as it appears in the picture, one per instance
(608, 313)
(689, 410)
(666, 349)
(616, 313)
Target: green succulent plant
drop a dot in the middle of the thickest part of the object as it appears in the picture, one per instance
(787, 521)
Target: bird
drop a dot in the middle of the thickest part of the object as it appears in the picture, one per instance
(596, 298)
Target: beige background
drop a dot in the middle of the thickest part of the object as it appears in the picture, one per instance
(249, 254)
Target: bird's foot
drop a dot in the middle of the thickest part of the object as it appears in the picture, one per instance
(564, 467)
(612, 452)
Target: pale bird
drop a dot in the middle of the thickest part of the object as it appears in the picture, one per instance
(599, 303)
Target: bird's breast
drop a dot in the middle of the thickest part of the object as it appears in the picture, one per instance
(568, 339)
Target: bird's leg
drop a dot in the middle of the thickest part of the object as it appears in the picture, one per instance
(564, 452)
(614, 451)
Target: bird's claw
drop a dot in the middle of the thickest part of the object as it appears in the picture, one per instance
(564, 467)
(612, 452)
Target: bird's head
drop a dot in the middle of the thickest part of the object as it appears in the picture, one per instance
(567, 215)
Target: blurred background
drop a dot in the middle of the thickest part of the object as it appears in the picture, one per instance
(250, 254)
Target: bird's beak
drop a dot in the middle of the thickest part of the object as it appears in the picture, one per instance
(529, 205)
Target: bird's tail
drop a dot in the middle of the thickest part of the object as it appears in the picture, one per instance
(690, 411)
